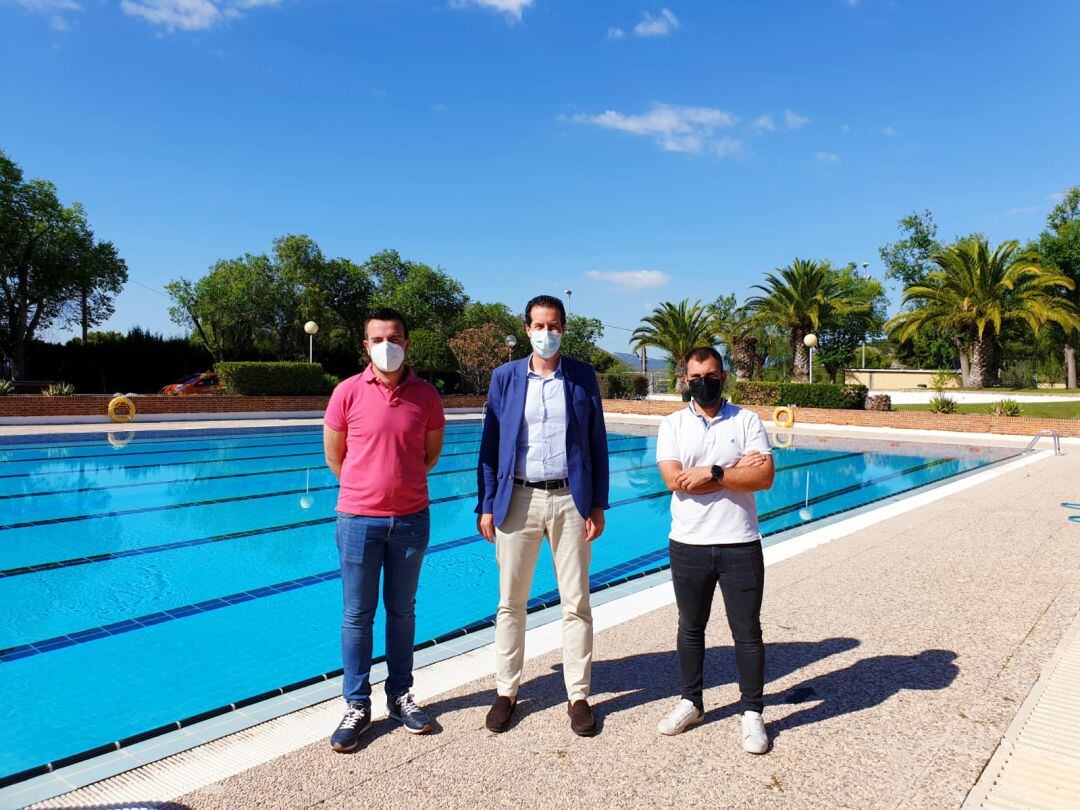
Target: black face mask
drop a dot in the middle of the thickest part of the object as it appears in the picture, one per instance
(707, 391)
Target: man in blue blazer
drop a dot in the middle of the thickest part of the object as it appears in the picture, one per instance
(543, 471)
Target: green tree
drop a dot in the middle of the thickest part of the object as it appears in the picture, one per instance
(51, 265)
(842, 332)
(973, 292)
(1059, 246)
(909, 259)
(801, 297)
(741, 333)
(429, 298)
(580, 339)
(677, 329)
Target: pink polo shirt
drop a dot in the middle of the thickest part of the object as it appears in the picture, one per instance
(384, 473)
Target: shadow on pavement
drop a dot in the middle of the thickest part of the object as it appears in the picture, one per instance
(622, 684)
(868, 683)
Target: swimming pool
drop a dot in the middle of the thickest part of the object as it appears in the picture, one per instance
(148, 578)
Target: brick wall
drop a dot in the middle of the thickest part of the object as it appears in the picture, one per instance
(89, 405)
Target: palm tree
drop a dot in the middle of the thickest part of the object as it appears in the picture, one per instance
(799, 298)
(741, 333)
(973, 292)
(677, 329)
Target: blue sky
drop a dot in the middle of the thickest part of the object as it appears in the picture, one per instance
(633, 152)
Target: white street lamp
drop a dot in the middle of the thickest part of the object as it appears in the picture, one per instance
(312, 329)
(511, 342)
(810, 342)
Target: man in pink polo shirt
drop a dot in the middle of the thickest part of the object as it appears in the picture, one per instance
(382, 432)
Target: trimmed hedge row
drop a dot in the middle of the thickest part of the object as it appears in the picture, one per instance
(623, 386)
(804, 395)
(274, 379)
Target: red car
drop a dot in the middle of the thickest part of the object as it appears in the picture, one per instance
(205, 383)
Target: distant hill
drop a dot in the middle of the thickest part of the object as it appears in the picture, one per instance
(634, 362)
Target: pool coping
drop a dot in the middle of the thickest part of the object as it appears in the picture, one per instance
(635, 595)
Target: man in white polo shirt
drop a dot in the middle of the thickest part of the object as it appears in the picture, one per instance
(713, 457)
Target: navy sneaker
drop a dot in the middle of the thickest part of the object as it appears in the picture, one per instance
(356, 721)
(405, 711)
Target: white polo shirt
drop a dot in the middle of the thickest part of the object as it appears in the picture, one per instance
(689, 437)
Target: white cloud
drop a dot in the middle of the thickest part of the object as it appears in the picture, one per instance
(763, 123)
(49, 6)
(726, 146)
(615, 33)
(845, 129)
(1026, 209)
(826, 157)
(190, 15)
(185, 15)
(1056, 197)
(889, 131)
(631, 280)
(676, 129)
(794, 121)
(657, 25)
(55, 9)
(511, 8)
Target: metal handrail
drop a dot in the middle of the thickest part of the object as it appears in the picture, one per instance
(1052, 433)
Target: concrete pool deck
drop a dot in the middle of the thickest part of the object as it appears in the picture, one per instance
(919, 637)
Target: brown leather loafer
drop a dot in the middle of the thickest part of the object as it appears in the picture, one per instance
(582, 721)
(500, 714)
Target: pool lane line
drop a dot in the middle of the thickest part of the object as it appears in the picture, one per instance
(81, 471)
(172, 506)
(536, 604)
(315, 439)
(106, 487)
(123, 626)
(319, 452)
(122, 455)
(135, 552)
(37, 568)
(106, 556)
(474, 627)
(126, 454)
(203, 434)
(127, 625)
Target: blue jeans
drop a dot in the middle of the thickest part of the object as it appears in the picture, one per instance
(393, 547)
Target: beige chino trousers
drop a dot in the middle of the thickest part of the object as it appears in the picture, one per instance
(534, 514)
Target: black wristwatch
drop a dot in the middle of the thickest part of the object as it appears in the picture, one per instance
(717, 473)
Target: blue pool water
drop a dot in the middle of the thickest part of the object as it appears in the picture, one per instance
(151, 580)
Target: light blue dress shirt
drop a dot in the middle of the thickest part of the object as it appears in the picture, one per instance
(541, 443)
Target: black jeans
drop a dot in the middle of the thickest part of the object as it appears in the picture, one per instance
(740, 571)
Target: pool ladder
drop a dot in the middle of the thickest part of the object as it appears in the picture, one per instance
(1035, 440)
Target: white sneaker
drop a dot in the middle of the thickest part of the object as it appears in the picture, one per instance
(754, 738)
(684, 715)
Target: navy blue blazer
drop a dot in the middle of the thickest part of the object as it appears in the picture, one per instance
(586, 438)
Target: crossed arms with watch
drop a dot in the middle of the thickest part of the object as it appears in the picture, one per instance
(752, 472)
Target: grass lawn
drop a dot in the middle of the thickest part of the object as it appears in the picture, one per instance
(1050, 410)
(1006, 391)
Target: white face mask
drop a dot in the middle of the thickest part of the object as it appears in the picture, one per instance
(545, 342)
(387, 356)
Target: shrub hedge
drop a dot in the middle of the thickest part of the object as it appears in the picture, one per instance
(623, 386)
(803, 395)
(274, 379)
